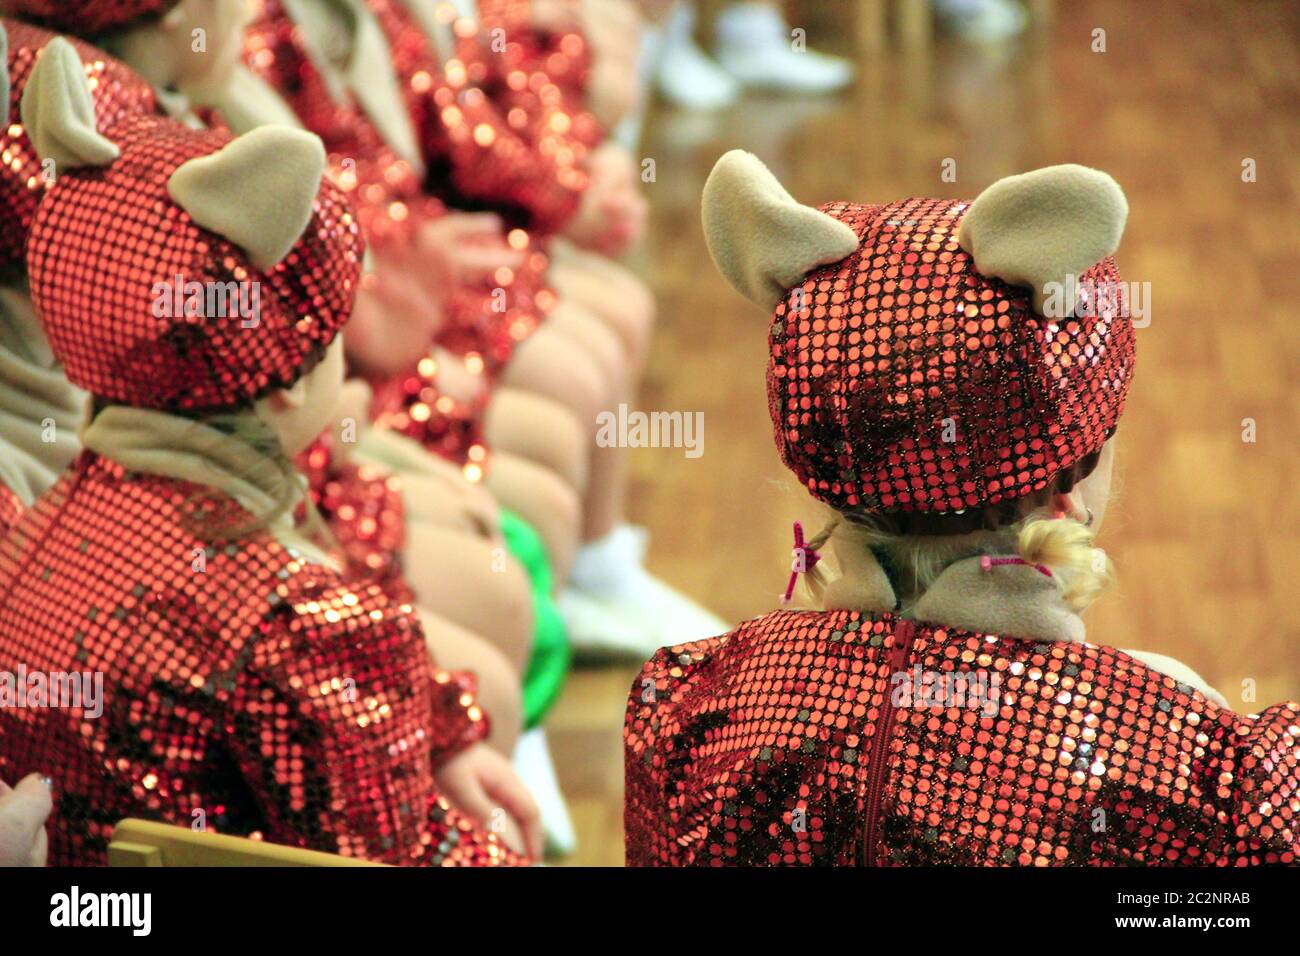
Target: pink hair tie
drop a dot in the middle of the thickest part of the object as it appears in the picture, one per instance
(805, 559)
(987, 563)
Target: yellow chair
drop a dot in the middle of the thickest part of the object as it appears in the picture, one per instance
(145, 843)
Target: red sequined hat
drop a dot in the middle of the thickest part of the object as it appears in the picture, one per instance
(902, 376)
(85, 17)
(116, 91)
(146, 307)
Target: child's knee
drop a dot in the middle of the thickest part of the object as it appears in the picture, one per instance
(541, 430)
(552, 366)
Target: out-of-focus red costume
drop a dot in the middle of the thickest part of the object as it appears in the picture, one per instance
(809, 737)
(242, 680)
(496, 131)
(483, 324)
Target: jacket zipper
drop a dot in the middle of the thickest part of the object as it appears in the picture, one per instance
(904, 634)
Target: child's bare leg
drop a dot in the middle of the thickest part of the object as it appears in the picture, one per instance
(541, 498)
(542, 431)
(456, 649)
(603, 506)
(459, 505)
(616, 296)
(474, 583)
(550, 365)
(576, 340)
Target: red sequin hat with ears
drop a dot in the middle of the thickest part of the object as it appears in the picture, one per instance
(930, 356)
(177, 269)
(85, 17)
(116, 90)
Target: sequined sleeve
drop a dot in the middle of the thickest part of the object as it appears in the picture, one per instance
(363, 508)
(652, 762)
(11, 506)
(1262, 773)
(336, 719)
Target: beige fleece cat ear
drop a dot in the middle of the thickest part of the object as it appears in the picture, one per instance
(1044, 229)
(761, 239)
(59, 113)
(257, 191)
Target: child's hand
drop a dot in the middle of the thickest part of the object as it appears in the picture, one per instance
(480, 783)
(464, 249)
(23, 810)
(612, 213)
(392, 324)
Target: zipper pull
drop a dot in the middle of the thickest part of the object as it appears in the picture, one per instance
(904, 636)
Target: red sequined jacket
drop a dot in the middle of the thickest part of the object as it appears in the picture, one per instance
(809, 738)
(11, 506)
(242, 686)
(496, 132)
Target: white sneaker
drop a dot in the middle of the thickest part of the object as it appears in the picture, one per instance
(757, 47)
(982, 20)
(598, 634)
(532, 761)
(685, 75)
(639, 612)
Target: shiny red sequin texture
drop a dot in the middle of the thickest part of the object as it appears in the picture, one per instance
(789, 742)
(116, 92)
(112, 335)
(362, 506)
(241, 683)
(900, 379)
(490, 141)
(413, 404)
(11, 506)
(85, 17)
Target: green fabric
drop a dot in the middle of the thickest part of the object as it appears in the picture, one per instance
(549, 664)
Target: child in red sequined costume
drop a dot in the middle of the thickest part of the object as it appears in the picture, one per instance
(244, 676)
(41, 409)
(428, 528)
(947, 376)
(493, 130)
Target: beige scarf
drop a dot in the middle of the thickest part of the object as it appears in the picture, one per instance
(40, 410)
(1012, 600)
(348, 47)
(157, 443)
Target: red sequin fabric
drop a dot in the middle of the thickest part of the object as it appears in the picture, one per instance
(244, 689)
(130, 336)
(11, 506)
(484, 324)
(116, 92)
(808, 738)
(385, 190)
(414, 405)
(490, 141)
(85, 17)
(362, 506)
(541, 71)
(900, 379)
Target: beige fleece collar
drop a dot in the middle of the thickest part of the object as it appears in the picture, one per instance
(362, 67)
(40, 410)
(439, 30)
(1014, 600)
(157, 443)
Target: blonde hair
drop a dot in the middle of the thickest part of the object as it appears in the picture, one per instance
(1063, 545)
